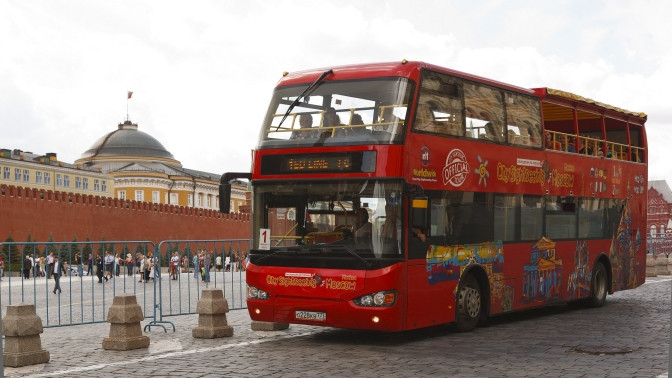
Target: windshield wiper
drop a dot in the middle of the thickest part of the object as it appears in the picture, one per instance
(306, 92)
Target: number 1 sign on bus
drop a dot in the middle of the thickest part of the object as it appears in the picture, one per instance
(423, 195)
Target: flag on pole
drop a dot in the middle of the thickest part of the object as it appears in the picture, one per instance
(130, 94)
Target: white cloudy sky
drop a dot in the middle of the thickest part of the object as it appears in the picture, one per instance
(202, 71)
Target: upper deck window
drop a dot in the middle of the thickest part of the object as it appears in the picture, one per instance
(338, 112)
(453, 106)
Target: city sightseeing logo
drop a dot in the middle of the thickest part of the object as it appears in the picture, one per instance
(456, 170)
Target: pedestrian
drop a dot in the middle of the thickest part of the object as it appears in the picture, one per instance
(207, 260)
(129, 264)
(40, 267)
(175, 266)
(50, 264)
(2, 268)
(141, 267)
(89, 268)
(100, 266)
(57, 269)
(117, 264)
(78, 262)
(109, 265)
(149, 263)
(218, 263)
(197, 269)
(27, 265)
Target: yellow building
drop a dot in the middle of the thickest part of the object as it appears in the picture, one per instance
(143, 170)
(29, 170)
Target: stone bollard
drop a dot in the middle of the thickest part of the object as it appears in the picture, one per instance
(22, 327)
(268, 326)
(661, 266)
(650, 266)
(124, 317)
(211, 310)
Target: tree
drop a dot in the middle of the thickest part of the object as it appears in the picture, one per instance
(51, 248)
(10, 252)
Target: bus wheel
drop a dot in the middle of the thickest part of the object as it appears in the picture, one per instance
(468, 310)
(598, 286)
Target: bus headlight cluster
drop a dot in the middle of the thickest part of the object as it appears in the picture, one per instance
(378, 299)
(254, 293)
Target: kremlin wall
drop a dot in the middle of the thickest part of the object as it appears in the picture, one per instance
(64, 216)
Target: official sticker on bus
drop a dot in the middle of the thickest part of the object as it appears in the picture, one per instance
(265, 238)
(457, 168)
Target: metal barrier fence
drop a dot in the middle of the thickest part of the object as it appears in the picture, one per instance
(88, 288)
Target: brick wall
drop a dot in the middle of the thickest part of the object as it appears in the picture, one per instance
(42, 213)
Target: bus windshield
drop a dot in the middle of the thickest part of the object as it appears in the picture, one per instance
(337, 112)
(337, 219)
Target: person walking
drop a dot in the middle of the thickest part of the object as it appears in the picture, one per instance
(27, 265)
(89, 269)
(58, 268)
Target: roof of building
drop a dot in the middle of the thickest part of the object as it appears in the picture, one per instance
(127, 140)
(661, 187)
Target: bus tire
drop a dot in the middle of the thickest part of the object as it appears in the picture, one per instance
(469, 304)
(598, 286)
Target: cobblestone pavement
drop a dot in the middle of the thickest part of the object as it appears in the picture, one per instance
(629, 337)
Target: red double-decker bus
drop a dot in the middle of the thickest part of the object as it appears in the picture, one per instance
(396, 196)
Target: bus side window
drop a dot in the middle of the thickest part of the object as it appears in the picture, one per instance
(484, 111)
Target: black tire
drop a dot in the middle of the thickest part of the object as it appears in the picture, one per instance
(598, 286)
(469, 304)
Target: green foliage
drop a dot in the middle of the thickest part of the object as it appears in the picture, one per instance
(51, 248)
(11, 251)
(87, 249)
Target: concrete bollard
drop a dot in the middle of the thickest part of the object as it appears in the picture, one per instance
(211, 310)
(661, 266)
(124, 317)
(268, 326)
(22, 327)
(650, 266)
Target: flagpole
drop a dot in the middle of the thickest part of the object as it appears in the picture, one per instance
(128, 98)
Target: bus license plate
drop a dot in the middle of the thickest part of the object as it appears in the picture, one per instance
(311, 315)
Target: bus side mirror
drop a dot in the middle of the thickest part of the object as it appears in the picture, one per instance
(225, 189)
(419, 212)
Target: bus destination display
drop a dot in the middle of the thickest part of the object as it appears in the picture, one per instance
(355, 162)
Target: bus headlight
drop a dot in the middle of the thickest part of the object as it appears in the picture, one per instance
(255, 293)
(378, 299)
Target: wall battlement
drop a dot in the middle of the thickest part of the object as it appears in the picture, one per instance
(42, 213)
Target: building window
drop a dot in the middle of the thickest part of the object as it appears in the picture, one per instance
(66, 181)
(59, 179)
(122, 194)
(190, 200)
(38, 177)
(47, 178)
(78, 182)
(209, 201)
(199, 199)
(155, 196)
(139, 195)
(86, 183)
(17, 174)
(173, 199)
(26, 175)
(103, 186)
(7, 174)
(96, 185)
